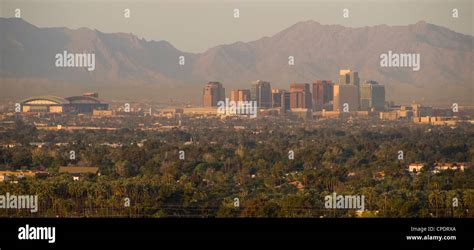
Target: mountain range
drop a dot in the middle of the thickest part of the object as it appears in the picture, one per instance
(132, 68)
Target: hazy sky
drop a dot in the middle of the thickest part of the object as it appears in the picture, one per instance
(196, 25)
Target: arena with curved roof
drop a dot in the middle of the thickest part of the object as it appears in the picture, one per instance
(53, 104)
(49, 104)
(86, 104)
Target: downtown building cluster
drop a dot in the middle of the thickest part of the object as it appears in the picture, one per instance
(346, 95)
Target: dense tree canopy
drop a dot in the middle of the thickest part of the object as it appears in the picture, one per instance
(253, 165)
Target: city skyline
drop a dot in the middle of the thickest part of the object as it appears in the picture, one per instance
(159, 69)
(347, 94)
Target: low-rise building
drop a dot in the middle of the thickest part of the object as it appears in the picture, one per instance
(389, 115)
(200, 111)
(439, 167)
(415, 167)
(7, 175)
(98, 112)
(380, 175)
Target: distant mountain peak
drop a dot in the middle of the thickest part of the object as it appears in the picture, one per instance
(319, 50)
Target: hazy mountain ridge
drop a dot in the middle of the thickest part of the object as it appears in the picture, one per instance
(319, 50)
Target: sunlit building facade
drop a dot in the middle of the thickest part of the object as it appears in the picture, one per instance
(213, 93)
(300, 96)
(323, 93)
(240, 95)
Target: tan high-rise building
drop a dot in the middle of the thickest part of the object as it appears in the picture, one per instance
(213, 93)
(300, 96)
(346, 92)
(347, 76)
(346, 95)
(240, 95)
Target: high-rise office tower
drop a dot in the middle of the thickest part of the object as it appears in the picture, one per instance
(346, 98)
(300, 96)
(323, 93)
(372, 96)
(240, 95)
(276, 98)
(213, 93)
(261, 92)
(285, 101)
(346, 92)
(347, 76)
